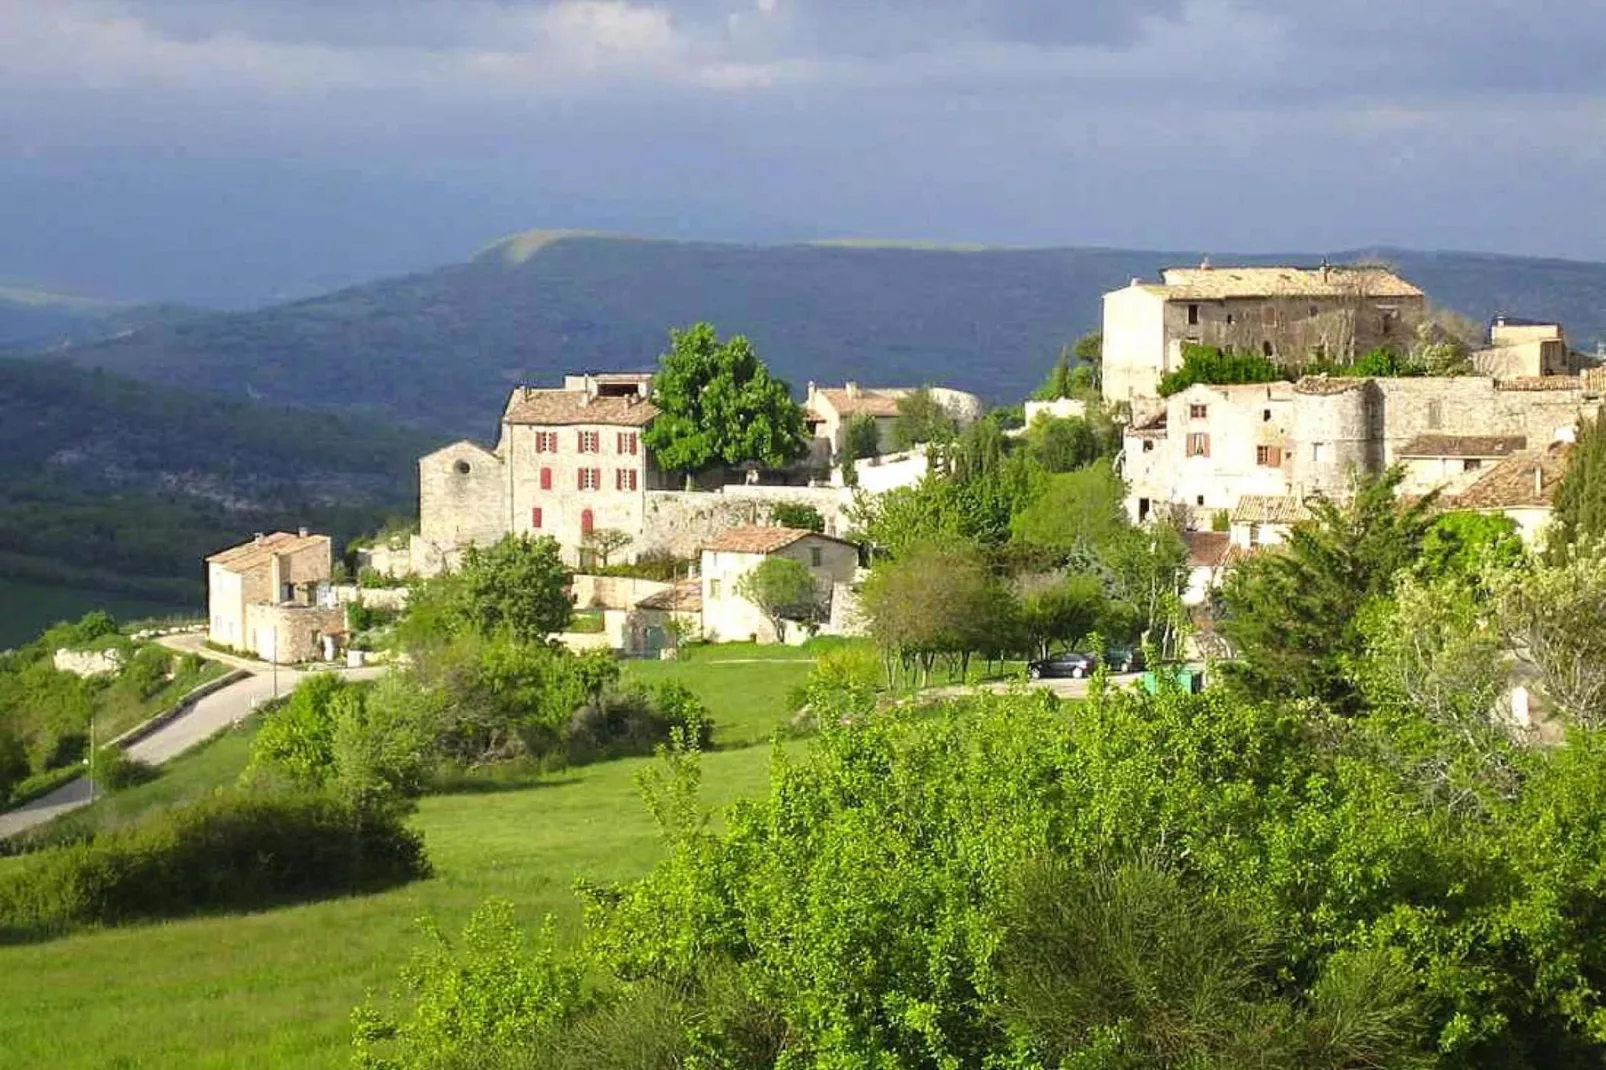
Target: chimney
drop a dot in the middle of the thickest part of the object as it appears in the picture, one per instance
(853, 389)
(303, 532)
(259, 537)
(1204, 265)
(1136, 281)
(811, 390)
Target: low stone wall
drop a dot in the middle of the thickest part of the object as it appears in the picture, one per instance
(388, 598)
(682, 522)
(88, 662)
(140, 731)
(612, 592)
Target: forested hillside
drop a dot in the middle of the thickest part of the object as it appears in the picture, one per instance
(440, 349)
(124, 486)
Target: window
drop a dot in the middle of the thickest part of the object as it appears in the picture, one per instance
(628, 443)
(1268, 315)
(1269, 456)
(1148, 445)
(1254, 535)
(590, 442)
(1143, 510)
(590, 478)
(816, 556)
(1199, 500)
(587, 522)
(1231, 319)
(1265, 416)
(624, 479)
(1389, 318)
(1314, 311)
(546, 481)
(1198, 412)
(1198, 445)
(1435, 414)
(1193, 315)
(535, 518)
(546, 442)
(1318, 452)
(1268, 349)
(1471, 464)
(713, 588)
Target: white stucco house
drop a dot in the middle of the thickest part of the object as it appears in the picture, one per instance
(271, 598)
(728, 617)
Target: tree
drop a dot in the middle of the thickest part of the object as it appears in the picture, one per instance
(784, 590)
(1081, 510)
(605, 542)
(922, 419)
(938, 598)
(861, 439)
(1554, 618)
(799, 516)
(1580, 500)
(1062, 445)
(718, 404)
(518, 585)
(1059, 383)
(1058, 609)
(1463, 544)
(1293, 614)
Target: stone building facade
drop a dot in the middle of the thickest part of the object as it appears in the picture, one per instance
(727, 616)
(1209, 447)
(1286, 313)
(271, 597)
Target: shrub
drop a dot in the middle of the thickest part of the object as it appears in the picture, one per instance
(115, 770)
(146, 673)
(635, 723)
(232, 851)
(797, 515)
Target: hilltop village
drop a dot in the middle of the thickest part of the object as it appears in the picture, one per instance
(1231, 464)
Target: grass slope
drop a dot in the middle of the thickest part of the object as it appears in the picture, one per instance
(441, 348)
(277, 988)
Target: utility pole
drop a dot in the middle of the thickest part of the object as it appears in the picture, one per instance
(91, 755)
(275, 660)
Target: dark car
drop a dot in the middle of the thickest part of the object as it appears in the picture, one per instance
(1077, 664)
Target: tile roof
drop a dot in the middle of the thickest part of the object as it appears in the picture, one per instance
(684, 597)
(1206, 549)
(1526, 480)
(760, 539)
(557, 408)
(867, 401)
(1209, 283)
(1270, 509)
(1464, 446)
(253, 554)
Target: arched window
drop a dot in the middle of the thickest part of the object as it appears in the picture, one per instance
(587, 521)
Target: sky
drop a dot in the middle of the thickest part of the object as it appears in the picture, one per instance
(236, 151)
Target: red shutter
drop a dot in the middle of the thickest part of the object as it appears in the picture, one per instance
(546, 481)
(535, 518)
(580, 478)
(635, 444)
(586, 521)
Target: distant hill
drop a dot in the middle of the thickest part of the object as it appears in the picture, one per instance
(440, 349)
(120, 485)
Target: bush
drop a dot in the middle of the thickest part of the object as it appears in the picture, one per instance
(798, 515)
(232, 851)
(636, 723)
(115, 770)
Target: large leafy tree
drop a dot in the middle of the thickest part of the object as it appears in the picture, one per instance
(718, 404)
(1293, 614)
(1580, 514)
(923, 418)
(1074, 511)
(519, 586)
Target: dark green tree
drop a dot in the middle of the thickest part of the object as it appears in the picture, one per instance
(1062, 445)
(923, 419)
(863, 438)
(1293, 614)
(718, 404)
(799, 516)
(1580, 500)
(784, 590)
(1059, 383)
(519, 586)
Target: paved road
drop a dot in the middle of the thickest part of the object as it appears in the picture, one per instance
(205, 719)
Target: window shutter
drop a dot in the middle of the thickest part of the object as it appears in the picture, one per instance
(1205, 440)
(580, 478)
(535, 518)
(546, 479)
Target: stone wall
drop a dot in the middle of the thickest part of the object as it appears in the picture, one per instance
(682, 522)
(88, 662)
(392, 599)
(612, 592)
(291, 634)
(462, 496)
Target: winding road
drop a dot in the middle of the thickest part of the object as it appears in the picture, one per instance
(206, 718)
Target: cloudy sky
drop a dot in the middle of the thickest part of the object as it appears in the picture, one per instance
(233, 150)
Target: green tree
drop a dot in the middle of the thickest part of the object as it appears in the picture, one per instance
(1059, 383)
(862, 438)
(1075, 511)
(1580, 500)
(922, 419)
(718, 404)
(518, 585)
(603, 543)
(1059, 609)
(1464, 544)
(784, 590)
(1293, 614)
(1553, 616)
(937, 598)
(797, 515)
(1062, 445)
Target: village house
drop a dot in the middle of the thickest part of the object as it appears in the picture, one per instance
(1520, 348)
(569, 462)
(271, 598)
(1522, 487)
(829, 410)
(728, 617)
(1284, 313)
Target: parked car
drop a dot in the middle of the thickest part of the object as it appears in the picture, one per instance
(1077, 664)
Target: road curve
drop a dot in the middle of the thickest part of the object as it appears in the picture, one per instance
(206, 718)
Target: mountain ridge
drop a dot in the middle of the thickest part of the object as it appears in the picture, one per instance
(439, 349)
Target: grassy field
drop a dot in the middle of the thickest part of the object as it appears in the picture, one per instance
(30, 608)
(277, 988)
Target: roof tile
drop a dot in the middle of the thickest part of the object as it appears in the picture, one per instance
(1479, 446)
(561, 408)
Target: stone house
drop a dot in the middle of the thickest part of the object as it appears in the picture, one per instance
(828, 410)
(1524, 348)
(648, 628)
(271, 598)
(727, 616)
(568, 462)
(1285, 313)
(1522, 487)
(1207, 447)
